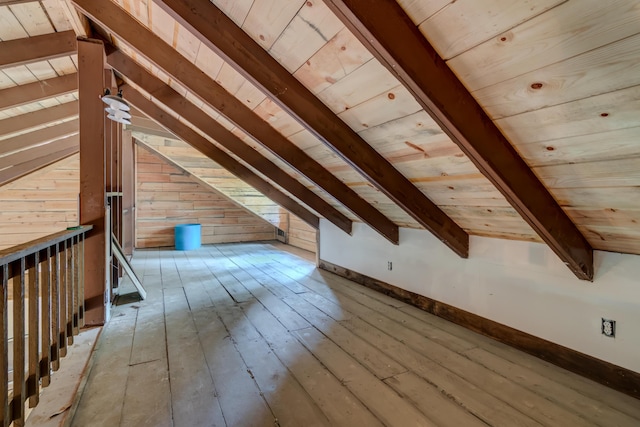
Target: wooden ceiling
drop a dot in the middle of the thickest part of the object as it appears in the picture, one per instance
(540, 96)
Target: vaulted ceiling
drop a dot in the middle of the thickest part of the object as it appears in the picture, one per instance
(499, 118)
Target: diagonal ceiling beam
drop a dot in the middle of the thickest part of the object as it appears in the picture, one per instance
(176, 102)
(37, 162)
(37, 48)
(203, 145)
(33, 92)
(217, 31)
(51, 147)
(10, 2)
(178, 67)
(388, 32)
(38, 118)
(141, 123)
(40, 136)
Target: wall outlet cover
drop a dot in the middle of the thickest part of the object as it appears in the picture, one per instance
(608, 328)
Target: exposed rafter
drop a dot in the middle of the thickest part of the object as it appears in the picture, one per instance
(51, 147)
(33, 92)
(217, 31)
(10, 2)
(176, 102)
(141, 123)
(38, 118)
(79, 22)
(57, 151)
(173, 100)
(37, 48)
(39, 136)
(388, 32)
(178, 67)
(201, 144)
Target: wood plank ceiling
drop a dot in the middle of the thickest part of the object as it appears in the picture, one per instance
(558, 78)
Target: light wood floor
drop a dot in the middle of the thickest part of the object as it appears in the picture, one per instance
(250, 335)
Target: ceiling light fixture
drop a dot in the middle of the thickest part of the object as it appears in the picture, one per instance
(119, 119)
(115, 102)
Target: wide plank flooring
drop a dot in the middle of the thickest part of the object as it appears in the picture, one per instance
(253, 335)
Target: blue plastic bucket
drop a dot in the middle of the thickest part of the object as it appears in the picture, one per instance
(187, 236)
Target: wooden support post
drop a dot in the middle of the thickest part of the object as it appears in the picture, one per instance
(91, 64)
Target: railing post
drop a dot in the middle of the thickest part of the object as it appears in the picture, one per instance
(55, 307)
(18, 342)
(70, 290)
(33, 380)
(62, 311)
(81, 274)
(45, 285)
(76, 284)
(5, 416)
(45, 279)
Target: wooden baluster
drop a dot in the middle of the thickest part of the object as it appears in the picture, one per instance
(62, 332)
(5, 414)
(70, 293)
(76, 284)
(33, 379)
(18, 343)
(81, 282)
(55, 306)
(45, 287)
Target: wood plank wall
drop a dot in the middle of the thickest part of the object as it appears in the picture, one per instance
(301, 235)
(168, 196)
(216, 176)
(41, 203)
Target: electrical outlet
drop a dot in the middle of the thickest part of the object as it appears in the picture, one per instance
(609, 328)
(389, 265)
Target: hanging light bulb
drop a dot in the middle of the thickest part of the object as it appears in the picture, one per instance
(115, 101)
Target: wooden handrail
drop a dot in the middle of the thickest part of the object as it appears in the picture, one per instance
(16, 252)
(48, 273)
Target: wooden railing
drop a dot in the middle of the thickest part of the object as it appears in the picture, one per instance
(46, 276)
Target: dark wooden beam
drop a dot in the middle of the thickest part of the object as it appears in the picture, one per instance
(11, 2)
(58, 145)
(203, 145)
(37, 48)
(178, 67)
(37, 160)
(176, 102)
(91, 65)
(37, 91)
(139, 123)
(217, 31)
(39, 136)
(388, 32)
(39, 117)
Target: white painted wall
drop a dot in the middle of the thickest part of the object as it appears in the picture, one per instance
(520, 284)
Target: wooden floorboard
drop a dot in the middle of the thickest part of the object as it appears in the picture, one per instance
(251, 335)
